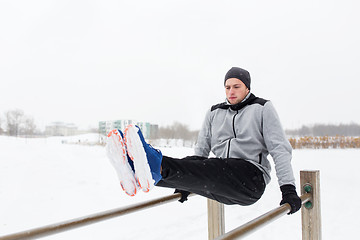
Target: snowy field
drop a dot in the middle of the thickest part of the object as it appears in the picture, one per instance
(43, 181)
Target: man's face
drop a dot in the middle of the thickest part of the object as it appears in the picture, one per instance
(235, 90)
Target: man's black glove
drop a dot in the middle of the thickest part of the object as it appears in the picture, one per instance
(290, 196)
(184, 195)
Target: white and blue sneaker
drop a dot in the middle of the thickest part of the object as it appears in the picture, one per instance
(116, 152)
(147, 160)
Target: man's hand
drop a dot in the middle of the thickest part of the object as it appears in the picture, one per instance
(290, 196)
(184, 195)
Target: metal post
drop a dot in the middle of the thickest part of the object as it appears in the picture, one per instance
(310, 212)
(216, 221)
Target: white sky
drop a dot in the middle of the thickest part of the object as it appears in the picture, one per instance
(83, 61)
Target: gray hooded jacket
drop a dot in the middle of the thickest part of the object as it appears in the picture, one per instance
(249, 130)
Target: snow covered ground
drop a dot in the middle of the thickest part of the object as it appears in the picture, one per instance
(43, 181)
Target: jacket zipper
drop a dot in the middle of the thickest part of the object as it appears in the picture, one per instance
(233, 125)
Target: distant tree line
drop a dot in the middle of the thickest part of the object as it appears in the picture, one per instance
(177, 131)
(324, 136)
(351, 129)
(325, 142)
(15, 123)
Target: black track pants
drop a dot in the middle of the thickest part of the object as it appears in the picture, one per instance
(229, 181)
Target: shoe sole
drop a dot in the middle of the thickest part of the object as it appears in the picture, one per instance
(138, 155)
(116, 152)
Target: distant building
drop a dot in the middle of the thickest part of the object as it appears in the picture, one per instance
(150, 131)
(61, 129)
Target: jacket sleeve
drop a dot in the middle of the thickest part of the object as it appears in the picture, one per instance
(203, 145)
(278, 145)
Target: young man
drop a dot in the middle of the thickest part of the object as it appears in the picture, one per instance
(241, 132)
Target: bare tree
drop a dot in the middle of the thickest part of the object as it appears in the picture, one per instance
(166, 132)
(17, 123)
(1, 130)
(178, 131)
(181, 131)
(29, 126)
(13, 121)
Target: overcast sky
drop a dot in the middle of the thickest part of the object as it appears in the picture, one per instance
(82, 61)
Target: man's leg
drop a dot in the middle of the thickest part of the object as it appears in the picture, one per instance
(229, 181)
(116, 152)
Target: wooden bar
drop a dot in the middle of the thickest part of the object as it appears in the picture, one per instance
(260, 221)
(311, 215)
(216, 221)
(83, 221)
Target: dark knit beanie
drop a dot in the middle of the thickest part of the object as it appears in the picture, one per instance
(239, 73)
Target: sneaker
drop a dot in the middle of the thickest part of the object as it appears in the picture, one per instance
(116, 152)
(147, 160)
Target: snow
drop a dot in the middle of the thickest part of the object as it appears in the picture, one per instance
(43, 181)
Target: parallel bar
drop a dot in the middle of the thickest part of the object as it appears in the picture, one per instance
(90, 219)
(260, 221)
